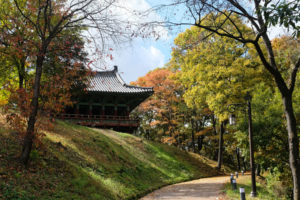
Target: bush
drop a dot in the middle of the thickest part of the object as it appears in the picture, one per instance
(279, 183)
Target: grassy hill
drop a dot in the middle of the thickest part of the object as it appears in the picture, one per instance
(75, 162)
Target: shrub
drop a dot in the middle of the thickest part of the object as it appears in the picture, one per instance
(279, 183)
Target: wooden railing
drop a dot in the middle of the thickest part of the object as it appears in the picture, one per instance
(100, 117)
(100, 120)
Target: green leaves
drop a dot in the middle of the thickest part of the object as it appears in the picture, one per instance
(286, 14)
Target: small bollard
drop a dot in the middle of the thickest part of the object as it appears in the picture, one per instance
(231, 178)
(233, 184)
(236, 174)
(242, 173)
(242, 192)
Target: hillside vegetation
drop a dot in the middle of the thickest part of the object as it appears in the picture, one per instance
(75, 162)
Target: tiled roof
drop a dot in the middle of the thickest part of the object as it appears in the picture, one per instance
(111, 81)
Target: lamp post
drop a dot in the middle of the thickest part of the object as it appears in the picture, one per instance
(231, 109)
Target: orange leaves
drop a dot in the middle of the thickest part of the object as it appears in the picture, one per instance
(169, 140)
(164, 89)
(162, 108)
(55, 95)
(204, 131)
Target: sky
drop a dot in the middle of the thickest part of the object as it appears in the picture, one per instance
(142, 55)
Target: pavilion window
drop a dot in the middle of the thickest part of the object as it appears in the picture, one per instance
(122, 111)
(109, 110)
(84, 109)
(96, 110)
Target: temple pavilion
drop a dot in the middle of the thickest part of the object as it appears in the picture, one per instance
(108, 103)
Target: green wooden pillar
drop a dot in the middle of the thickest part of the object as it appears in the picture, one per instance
(116, 110)
(90, 109)
(102, 110)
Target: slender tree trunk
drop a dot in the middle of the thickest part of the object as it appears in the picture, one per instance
(20, 64)
(178, 141)
(238, 158)
(221, 141)
(28, 140)
(193, 136)
(200, 142)
(293, 144)
(21, 81)
(258, 169)
(214, 122)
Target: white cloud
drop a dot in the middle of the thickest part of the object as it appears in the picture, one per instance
(137, 60)
(277, 31)
(141, 55)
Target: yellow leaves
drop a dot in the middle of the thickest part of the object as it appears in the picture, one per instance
(215, 71)
(3, 102)
(4, 94)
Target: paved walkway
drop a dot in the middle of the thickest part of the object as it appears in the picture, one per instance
(201, 189)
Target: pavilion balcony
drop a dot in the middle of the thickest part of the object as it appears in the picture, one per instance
(103, 121)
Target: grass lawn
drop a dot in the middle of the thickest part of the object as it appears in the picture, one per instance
(75, 162)
(245, 182)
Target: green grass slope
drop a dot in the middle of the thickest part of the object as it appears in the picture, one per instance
(76, 162)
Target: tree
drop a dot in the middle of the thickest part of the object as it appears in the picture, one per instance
(261, 15)
(166, 113)
(46, 20)
(212, 72)
(14, 41)
(162, 106)
(270, 138)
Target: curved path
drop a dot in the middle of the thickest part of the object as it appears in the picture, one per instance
(205, 188)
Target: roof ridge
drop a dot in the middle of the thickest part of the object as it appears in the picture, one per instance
(111, 81)
(135, 86)
(104, 71)
(119, 77)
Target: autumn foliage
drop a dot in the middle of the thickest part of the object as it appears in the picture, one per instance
(165, 116)
(55, 95)
(161, 107)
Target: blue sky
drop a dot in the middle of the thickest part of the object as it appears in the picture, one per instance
(142, 55)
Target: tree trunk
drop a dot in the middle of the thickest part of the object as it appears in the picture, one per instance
(258, 170)
(214, 122)
(200, 142)
(238, 158)
(193, 136)
(221, 141)
(286, 94)
(28, 140)
(21, 81)
(293, 144)
(178, 141)
(20, 64)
